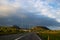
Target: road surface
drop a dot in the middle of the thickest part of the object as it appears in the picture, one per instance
(27, 36)
(10, 37)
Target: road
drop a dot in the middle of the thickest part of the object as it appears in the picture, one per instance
(10, 37)
(27, 36)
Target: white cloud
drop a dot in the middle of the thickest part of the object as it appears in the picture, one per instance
(45, 9)
(58, 20)
(7, 8)
(40, 6)
(54, 28)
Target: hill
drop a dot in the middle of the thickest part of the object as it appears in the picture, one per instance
(39, 28)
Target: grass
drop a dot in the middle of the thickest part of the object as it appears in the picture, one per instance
(51, 36)
(10, 30)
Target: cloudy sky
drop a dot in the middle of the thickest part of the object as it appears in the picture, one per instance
(30, 13)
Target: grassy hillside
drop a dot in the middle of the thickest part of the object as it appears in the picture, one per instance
(46, 34)
(39, 28)
(10, 30)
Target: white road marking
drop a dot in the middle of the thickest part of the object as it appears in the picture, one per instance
(20, 37)
(25, 35)
(38, 37)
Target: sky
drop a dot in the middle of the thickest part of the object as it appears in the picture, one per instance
(27, 13)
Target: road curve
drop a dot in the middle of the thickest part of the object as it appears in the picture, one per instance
(29, 36)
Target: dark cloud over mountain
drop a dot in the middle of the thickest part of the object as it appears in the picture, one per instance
(30, 20)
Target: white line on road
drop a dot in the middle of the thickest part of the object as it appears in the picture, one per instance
(25, 35)
(20, 37)
(38, 37)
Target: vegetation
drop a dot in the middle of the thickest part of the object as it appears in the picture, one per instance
(10, 30)
(46, 34)
(39, 29)
(49, 36)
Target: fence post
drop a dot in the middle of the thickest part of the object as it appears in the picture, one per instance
(48, 37)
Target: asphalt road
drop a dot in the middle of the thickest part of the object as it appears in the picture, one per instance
(27, 36)
(10, 37)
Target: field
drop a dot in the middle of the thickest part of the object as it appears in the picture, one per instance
(46, 34)
(10, 30)
(49, 36)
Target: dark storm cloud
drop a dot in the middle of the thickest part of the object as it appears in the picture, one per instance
(31, 19)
